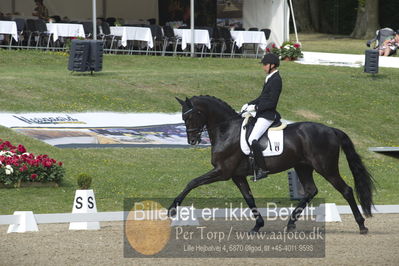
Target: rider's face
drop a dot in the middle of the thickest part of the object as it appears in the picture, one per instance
(266, 68)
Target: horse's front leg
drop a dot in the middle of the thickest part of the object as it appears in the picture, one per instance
(243, 186)
(210, 177)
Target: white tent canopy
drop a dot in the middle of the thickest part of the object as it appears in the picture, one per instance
(272, 14)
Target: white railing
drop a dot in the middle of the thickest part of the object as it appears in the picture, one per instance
(20, 218)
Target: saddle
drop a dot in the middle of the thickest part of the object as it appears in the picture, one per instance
(271, 142)
(264, 141)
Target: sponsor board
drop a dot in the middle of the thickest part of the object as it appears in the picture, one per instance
(101, 129)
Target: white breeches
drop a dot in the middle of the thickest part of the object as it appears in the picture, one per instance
(260, 128)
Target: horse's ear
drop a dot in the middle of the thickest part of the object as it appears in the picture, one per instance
(188, 102)
(182, 103)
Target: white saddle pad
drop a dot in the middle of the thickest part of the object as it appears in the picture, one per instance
(276, 138)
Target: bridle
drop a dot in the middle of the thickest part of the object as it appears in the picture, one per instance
(197, 131)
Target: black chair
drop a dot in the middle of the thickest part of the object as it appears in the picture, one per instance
(157, 37)
(267, 33)
(210, 32)
(20, 29)
(88, 28)
(226, 40)
(152, 21)
(169, 39)
(106, 35)
(30, 30)
(106, 29)
(215, 40)
(255, 46)
(111, 21)
(42, 32)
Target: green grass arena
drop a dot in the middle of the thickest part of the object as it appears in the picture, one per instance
(363, 106)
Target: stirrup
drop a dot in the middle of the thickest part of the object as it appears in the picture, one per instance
(259, 173)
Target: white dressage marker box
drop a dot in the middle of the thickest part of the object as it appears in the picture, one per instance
(185, 216)
(26, 223)
(327, 212)
(84, 202)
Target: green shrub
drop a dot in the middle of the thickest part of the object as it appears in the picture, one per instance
(84, 181)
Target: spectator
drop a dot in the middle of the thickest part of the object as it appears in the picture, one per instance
(40, 10)
(390, 46)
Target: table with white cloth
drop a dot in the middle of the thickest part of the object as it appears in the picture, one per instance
(255, 37)
(65, 30)
(9, 27)
(200, 37)
(133, 34)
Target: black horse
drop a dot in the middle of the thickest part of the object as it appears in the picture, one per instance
(308, 147)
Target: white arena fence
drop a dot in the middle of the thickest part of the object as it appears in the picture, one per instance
(121, 215)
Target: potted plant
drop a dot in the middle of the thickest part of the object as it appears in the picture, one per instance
(84, 181)
(288, 51)
(84, 202)
(21, 168)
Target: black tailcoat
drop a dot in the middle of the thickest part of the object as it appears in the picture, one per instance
(266, 103)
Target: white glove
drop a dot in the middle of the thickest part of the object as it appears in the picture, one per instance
(244, 107)
(251, 108)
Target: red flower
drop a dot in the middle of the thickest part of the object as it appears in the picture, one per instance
(273, 45)
(297, 45)
(21, 148)
(33, 176)
(60, 163)
(23, 168)
(268, 50)
(47, 163)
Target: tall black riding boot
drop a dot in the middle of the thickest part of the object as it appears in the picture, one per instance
(259, 165)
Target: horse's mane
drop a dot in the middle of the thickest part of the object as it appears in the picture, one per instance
(218, 102)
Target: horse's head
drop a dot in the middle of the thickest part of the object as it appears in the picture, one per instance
(194, 119)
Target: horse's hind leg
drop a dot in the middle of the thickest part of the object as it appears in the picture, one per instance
(242, 184)
(347, 192)
(305, 176)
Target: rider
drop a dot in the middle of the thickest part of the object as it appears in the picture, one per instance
(265, 107)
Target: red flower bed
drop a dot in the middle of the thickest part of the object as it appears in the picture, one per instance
(17, 165)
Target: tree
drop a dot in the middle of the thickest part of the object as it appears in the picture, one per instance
(367, 19)
(303, 15)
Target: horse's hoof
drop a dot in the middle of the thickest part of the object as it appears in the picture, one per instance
(254, 231)
(364, 231)
(291, 227)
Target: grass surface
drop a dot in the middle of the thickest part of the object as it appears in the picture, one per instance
(319, 42)
(363, 106)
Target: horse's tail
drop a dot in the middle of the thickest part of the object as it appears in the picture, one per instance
(364, 182)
